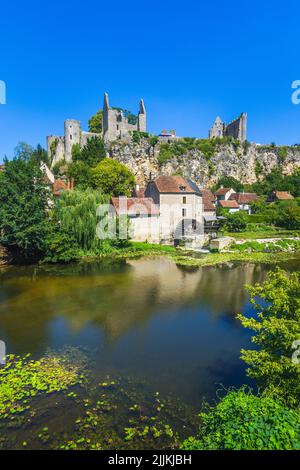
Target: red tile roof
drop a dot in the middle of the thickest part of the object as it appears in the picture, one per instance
(283, 195)
(175, 184)
(222, 191)
(208, 200)
(139, 192)
(59, 186)
(230, 204)
(244, 198)
(135, 205)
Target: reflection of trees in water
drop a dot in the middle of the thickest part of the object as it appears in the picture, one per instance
(115, 297)
(222, 287)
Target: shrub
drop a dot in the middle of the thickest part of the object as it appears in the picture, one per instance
(236, 222)
(113, 178)
(243, 421)
(61, 248)
(276, 327)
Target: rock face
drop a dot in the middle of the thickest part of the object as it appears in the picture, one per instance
(246, 162)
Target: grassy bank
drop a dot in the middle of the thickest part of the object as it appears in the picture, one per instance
(218, 258)
(263, 234)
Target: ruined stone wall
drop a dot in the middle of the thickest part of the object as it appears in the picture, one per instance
(237, 128)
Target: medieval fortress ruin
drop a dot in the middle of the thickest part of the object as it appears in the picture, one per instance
(115, 127)
(236, 129)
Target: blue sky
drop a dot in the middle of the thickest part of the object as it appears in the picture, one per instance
(190, 61)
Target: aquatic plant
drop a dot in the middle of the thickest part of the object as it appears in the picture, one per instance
(22, 378)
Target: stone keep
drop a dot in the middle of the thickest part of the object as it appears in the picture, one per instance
(115, 125)
(60, 148)
(236, 128)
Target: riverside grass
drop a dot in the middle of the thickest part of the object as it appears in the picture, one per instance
(213, 259)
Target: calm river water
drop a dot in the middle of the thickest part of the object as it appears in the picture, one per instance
(170, 328)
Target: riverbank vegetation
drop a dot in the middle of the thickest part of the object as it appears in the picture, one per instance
(114, 412)
(271, 418)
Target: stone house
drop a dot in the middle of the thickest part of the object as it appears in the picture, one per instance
(170, 211)
(230, 204)
(143, 217)
(223, 194)
(280, 196)
(244, 200)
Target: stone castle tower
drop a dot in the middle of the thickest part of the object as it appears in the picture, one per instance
(60, 147)
(236, 129)
(116, 126)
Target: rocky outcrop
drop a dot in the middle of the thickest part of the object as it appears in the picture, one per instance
(245, 162)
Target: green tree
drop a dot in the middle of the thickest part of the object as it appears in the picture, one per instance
(23, 151)
(288, 215)
(276, 327)
(92, 153)
(82, 174)
(95, 122)
(39, 155)
(230, 182)
(24, 200)
(113, 178)
(75, 215)
(236, 222)
(243, 421)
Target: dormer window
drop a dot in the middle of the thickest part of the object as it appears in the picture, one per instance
(182, 188)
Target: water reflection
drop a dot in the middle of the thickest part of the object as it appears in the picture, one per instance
(147, 317)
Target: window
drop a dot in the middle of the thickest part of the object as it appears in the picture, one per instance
(183, 212)
(184, 200)
(182, 188)
(71, 137)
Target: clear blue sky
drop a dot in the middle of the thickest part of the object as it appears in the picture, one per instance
(189, 60)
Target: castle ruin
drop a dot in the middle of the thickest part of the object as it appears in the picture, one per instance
(115, 126)
(236, 129)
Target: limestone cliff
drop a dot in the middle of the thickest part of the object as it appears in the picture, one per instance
(203, 162)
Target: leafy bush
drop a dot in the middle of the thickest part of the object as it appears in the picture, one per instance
(61, 248)
(230, 182)
(236, 222)
(92, 153)
(137, 136)
(243, 421)
(113, 178)
(276, 327)
(288, 215)
(82, 174)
